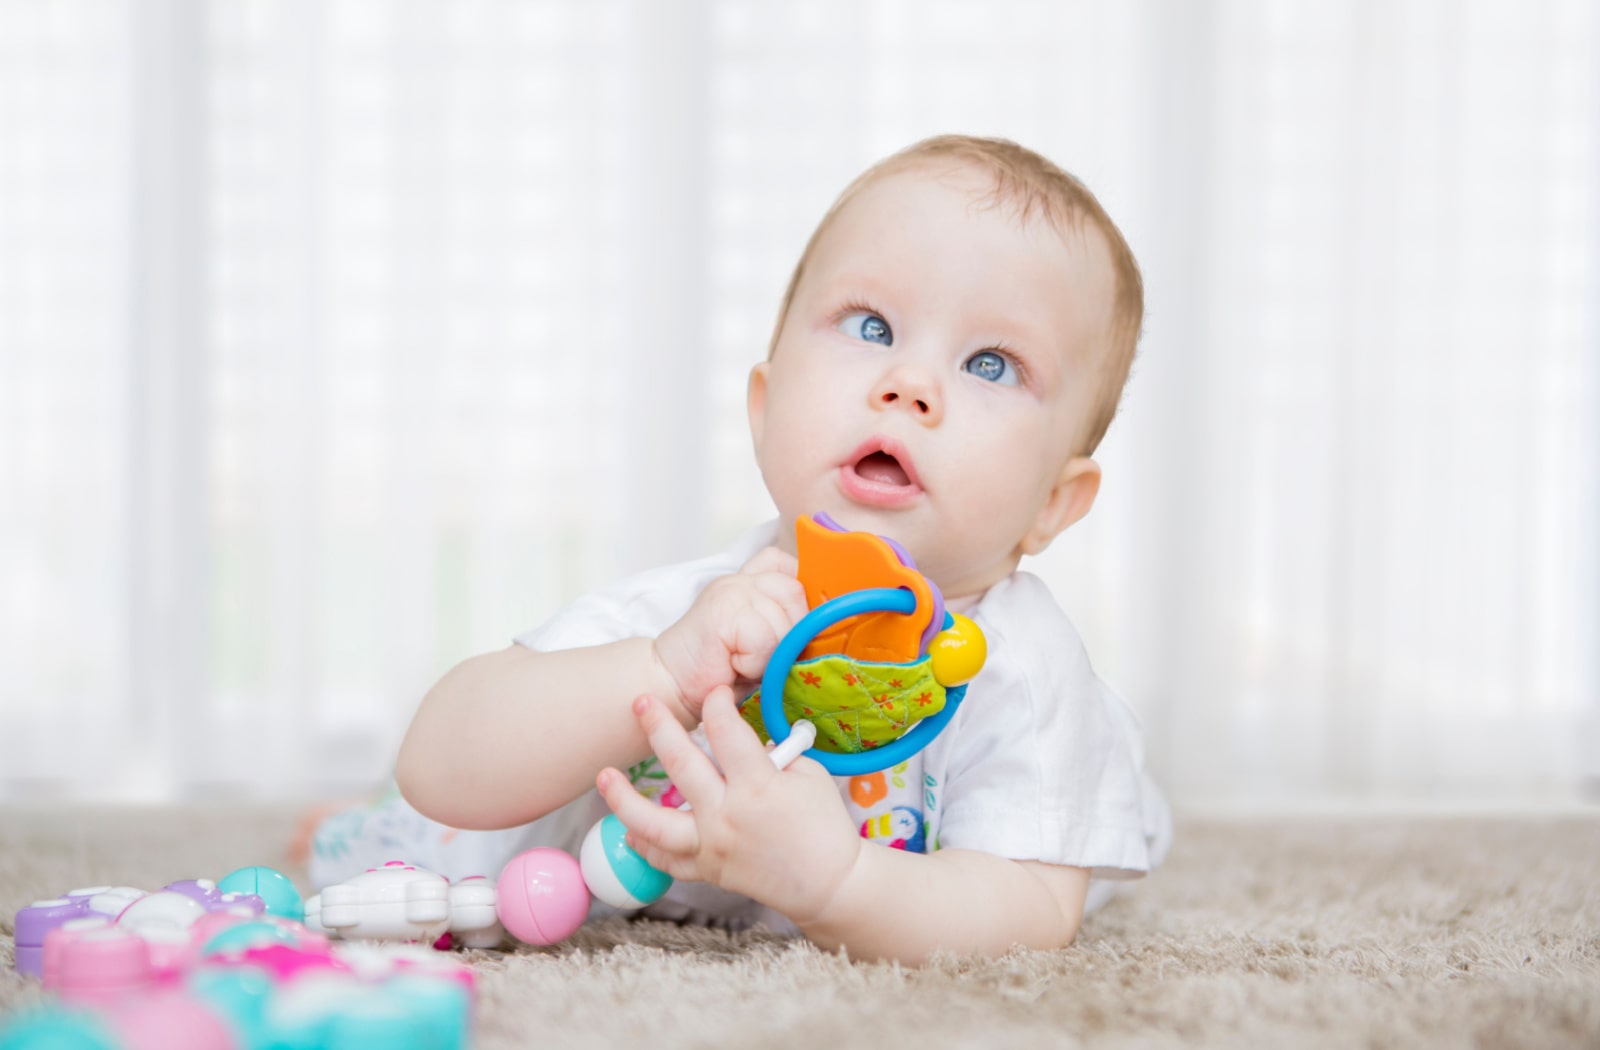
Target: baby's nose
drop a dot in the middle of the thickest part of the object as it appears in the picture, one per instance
(920, 404)
(909, 389)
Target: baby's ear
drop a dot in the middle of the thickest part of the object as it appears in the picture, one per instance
(1070, 499)
(756, 403)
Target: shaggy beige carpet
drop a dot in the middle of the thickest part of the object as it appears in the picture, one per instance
(1323, 932)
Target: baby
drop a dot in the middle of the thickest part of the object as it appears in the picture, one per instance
(951, 349)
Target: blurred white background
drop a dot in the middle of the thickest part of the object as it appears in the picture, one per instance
(340, 341)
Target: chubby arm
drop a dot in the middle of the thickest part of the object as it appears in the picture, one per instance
(784, 838)
(509, 736)
(905, 906)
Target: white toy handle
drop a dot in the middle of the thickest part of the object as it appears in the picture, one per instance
(801, 736)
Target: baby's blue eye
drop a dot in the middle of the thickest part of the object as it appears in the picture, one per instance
(986, 364)
(868, 327)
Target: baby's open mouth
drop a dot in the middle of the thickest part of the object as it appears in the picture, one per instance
(880, 473)
(883, 468)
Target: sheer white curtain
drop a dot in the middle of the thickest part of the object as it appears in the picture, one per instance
(340, 341)
(1380, 444)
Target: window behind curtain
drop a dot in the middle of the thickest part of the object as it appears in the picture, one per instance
(339, 342)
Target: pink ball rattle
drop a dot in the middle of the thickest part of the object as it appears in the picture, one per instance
(541, 897)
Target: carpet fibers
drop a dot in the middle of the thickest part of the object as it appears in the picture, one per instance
(1319, 932)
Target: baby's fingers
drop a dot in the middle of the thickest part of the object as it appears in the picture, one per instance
(772, 559)
(691, 771)
(787, 592)
(758, 637)
(738, 749)
(665, 829)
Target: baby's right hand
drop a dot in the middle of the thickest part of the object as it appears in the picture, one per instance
(730, 631)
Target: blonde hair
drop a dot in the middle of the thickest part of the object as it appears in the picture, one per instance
(1032, 185)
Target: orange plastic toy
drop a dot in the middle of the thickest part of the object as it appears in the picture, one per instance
(835, 563)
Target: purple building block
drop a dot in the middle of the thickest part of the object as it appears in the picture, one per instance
(40, 917)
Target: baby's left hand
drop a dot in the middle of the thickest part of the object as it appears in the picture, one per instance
(781, 837)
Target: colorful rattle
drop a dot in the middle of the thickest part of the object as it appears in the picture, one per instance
(878, 664)
(871, 675)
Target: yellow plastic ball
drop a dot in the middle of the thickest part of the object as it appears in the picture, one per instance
(958, 652)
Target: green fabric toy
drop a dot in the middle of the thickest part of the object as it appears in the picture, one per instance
(855, 705)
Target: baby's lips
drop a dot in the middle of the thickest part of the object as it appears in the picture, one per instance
(889, 447)
(866, 492)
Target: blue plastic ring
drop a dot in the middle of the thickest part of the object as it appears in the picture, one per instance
(813, 623)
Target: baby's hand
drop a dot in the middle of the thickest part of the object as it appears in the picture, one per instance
(731, 629)
(781, 837)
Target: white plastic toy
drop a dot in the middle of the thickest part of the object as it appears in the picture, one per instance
(402, 902)
(161, 913)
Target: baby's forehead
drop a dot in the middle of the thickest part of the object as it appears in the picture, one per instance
(940, 219)
(887, 201)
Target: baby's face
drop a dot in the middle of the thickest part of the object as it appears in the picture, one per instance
(936, 368)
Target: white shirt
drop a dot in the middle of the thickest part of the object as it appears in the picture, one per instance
(1041, 761)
